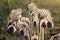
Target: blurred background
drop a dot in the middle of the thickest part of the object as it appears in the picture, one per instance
(7, 5)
